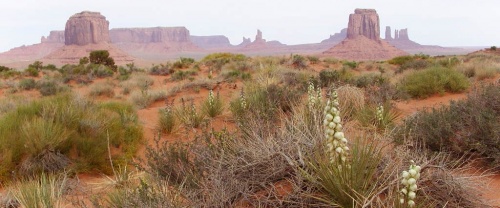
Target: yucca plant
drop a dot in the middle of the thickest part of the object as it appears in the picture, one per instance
(167, 120)
(213, 105)
(189, 116)
(45, 191)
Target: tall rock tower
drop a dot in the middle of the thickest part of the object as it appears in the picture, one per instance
(363, 39)
(364, 22)
(86, 28)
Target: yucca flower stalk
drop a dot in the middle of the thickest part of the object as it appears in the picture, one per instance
(243, 100)
(336, 141)
(380, 113)
(314, 96)
(409, 182)
(213, 105)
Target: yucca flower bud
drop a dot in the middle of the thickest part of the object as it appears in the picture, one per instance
(380, 113)
(409, 182)
(336, 141)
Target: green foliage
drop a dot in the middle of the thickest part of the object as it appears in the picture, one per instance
(313, 59)
(493, 48)
(329, 77)
(102, 89)
(183, 63)
(350, 64)
(349, 184)
(50, 67)
(44, 191)
(102, 57)
(101, 71)
(213, 105)
(299, 62)
(421, 84)
(84, 61)
(217, 60)
(52, 129)
(371, 79)
(166, 120)
(27, 84)
(161, 69)
(48, 87)
(30, 71)
(181, 75)
(463, 127)
(4, 68)
(145, 98)
(368, 116)
(400, 60)
(189, 115)
(38, 65)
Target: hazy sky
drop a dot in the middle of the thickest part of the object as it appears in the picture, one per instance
(433, 22)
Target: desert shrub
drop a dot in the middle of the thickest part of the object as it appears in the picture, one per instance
(162, 70)
(43, 191)
(486, 73)
(50, 67)
(381, 116)
(400, 60)
(183, 63)
(27, 84)
(421, 84)
(145, 98)
(4, 68)
(48, 87)
(463, 127)
(448, 61)
(166, 120)
(32, 72)
(101, 71)
(218, 60)
(66, 127)
(213, 105)
(181, 75)
(101, 57)
(328, 77)
(189, 115)
(232, 75)
(102, 89)
(298, 62)
(351, 101)
(313, 59)
(493, 48)
(142, 81)
(330, 60)
(371, 79)
(350, 64)
(266, 102)
(413, 64)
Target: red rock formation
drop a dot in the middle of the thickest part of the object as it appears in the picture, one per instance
(86, 28)
(211, 42)
(149, 35)
(245, 42)
(388, 33)
(363, 39)
(336, 38)
(54, 37)
(261, 44)
(364, 22)
(403, 34)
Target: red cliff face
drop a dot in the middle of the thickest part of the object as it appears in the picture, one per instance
(86, 28)
(149, 35)
(54, 37)
(364, 22)
(363, 39)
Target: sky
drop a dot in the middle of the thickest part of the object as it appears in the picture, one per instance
(429, 22)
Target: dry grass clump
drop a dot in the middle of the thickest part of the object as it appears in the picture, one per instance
(351, 100)
(103, 89)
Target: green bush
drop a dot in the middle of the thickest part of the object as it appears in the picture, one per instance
(213, 105)
(371, 79)
(299, 62)
(102, 89)
(421, 84)
(463, 127)
(101, 71)
(217, 60)
(4, 68)
(33, 72)
(350, 64)
(313, 59)
(48, 87)
(166, 120)
(27, 84)
(328, 77)
(183, 63)
(66, 127)
(181, 75)
(101, 57)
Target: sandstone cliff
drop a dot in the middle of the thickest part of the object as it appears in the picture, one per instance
(211, 42)
(336, 38)
(86, 28)
(54, 37)
(149, 35)
(363, 39)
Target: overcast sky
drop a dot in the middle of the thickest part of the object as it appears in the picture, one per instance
(432, 22)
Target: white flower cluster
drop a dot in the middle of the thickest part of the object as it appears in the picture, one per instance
(243, 101)
(336, 142)
(380, 113)
(211, 98)
(314, 95)
(409, 183)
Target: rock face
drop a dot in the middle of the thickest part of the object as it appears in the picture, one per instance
(364, 22)
(388, 35)
(337, 37)
(363, 39)
(260, 43)
(54, 37)
(86, 28)
(149, 35)
(245, 42)
(211, 42)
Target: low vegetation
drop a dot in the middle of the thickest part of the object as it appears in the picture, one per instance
(298, 131)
